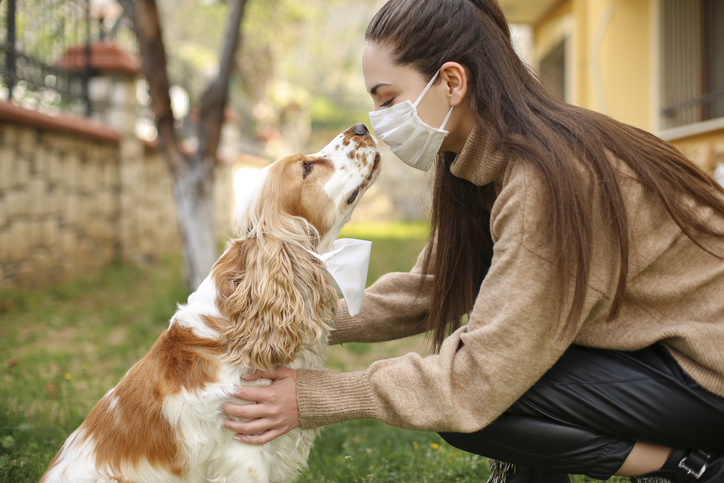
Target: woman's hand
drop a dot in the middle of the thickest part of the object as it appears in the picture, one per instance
(275, 412)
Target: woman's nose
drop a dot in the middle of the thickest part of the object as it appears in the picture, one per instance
(360, 129)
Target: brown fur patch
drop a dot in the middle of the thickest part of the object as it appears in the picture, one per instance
(298, 196)
(135, 429)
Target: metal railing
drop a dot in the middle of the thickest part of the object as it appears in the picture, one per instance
(38, 40)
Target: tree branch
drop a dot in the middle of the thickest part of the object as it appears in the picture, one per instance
(146, 23)
(129, 8)
(213, 101)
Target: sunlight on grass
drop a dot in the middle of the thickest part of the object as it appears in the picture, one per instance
(396, 230)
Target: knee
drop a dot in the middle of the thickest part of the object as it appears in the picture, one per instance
(467, 442)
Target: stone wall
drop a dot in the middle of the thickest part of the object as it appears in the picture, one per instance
(74, 197)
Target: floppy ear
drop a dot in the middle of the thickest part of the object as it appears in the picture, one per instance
(276, 298)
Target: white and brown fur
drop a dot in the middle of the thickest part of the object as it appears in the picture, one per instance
(266, 302)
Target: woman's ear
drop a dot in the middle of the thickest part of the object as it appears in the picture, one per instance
(455, 77)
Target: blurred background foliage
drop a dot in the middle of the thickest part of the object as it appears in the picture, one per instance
(299, 79)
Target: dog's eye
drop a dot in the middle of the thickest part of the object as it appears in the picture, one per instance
(307, 167)
(353, 196)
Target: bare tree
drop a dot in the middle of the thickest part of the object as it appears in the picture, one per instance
(192, 173)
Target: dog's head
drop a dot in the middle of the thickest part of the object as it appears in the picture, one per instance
(320, 189)
(273, 293)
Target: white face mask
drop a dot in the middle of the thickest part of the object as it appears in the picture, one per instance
(413, 141)
(347, 264)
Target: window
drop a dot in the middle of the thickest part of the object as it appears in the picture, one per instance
(692, 61)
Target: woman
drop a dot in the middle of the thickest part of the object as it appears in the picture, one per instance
(587, 254)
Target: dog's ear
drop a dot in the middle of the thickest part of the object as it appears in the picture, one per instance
(276, 298)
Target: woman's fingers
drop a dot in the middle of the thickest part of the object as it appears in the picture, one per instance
(249, 428)
(245, 411)
(275, 412)
(260, 375)
(262, 438)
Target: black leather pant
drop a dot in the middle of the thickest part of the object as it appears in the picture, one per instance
(588, 410)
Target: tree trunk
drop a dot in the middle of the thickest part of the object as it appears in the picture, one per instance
(193, 174)
(194, 196)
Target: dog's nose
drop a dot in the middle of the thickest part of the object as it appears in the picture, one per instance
(360, 129)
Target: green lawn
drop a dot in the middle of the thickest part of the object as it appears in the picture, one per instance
(61, 349)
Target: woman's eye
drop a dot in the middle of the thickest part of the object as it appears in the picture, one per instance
(307, 167)
(388, 103)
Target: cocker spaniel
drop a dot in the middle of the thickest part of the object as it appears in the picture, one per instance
(266, 302)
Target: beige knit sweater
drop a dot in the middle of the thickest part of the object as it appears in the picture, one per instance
(674, 295)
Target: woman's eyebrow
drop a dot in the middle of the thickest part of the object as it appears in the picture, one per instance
(373, 91)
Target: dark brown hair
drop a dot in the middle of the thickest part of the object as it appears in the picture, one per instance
(536, 128)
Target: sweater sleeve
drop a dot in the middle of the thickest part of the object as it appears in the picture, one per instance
(514, 336)
(395, 306)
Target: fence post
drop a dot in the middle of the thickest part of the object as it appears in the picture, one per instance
(10, 54)
(87, 71)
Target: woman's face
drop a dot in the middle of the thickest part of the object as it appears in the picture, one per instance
(389, 84)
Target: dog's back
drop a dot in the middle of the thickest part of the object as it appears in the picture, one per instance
(162, 423)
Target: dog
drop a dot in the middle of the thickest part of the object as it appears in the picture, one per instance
(266, 302)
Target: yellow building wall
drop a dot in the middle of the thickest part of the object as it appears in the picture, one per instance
(620, 87)
(622, 84)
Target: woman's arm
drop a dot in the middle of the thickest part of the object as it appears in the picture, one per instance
(516, 333)
(395, 306)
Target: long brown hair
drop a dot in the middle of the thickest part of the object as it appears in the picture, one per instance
(536, 128)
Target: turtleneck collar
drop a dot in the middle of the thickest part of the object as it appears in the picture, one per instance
(480, 161)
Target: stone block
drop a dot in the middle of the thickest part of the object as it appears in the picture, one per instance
(84, 213)
(124, 93)
(85, 255)
(26, 275)
(55, 141)
(22, 171)
(51, 233)
(35, 234)
(105, 175)
(10, 135)
(5, 249)
(90, 151)
(130, 150)
(69, 243)
(56, 200)
(71, 170)
(89, 177)
(41, 163)
(8, 212)
(37, 196)
(19, 239)
(99, 91)
(16, 203)
(55, 172)
(27, 140)
(54, 261)
(4, 218)
(103, 203)
(41, 263)
(7, 169)
(70, 211)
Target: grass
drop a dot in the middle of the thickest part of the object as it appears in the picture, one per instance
(64, 347)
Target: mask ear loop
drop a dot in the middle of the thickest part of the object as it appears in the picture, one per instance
(449, 113)
(422, 95)
(427, 88)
